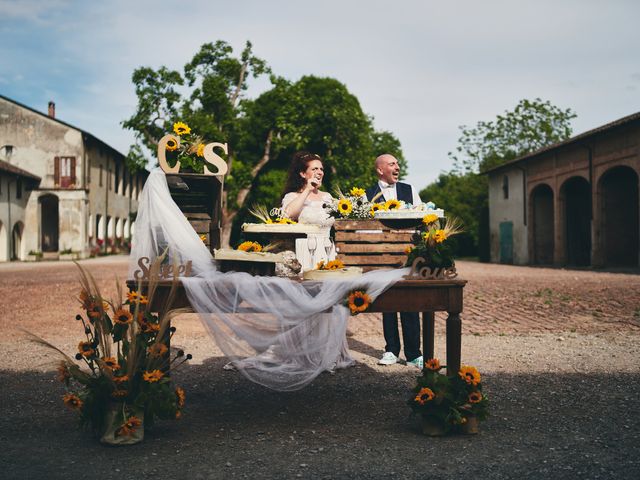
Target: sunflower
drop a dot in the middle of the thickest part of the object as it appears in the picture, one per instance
(111, 363)
(157, 349)
(429, 219)
(200, 150)
(121, 379)
(250, 247)
(148, 327)
(356, 192)
(84, 298)
(72, 401)
(469, 375)
(95, 311)
(334, 265)
(375, 207)
(128, 427)
(408, 249)
(153, 376)
(63, 372)
(475, 397)
(172, 145)
(132, 296)
(424, 395)
(180, 397)
(344, 206)
(86, 349)
(433, 364)
(358, 301)
(123, 317)
(392, 204)
(119, 393)
(439, 236)
(203, 237)
(181, 128)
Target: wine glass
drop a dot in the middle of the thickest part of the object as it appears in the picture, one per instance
(312, 244)
(327, 246)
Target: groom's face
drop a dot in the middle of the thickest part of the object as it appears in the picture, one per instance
(388, 169)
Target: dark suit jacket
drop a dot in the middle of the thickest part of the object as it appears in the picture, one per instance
(403, 190)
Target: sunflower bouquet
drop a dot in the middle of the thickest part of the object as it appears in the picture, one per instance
(448, 403)
(353, 206)
(431, 241)
(274, 216)
(189, 152)
(118, 380)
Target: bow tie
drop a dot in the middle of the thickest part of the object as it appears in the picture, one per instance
(385, 185)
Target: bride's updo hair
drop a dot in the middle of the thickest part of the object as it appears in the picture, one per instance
(299, 164)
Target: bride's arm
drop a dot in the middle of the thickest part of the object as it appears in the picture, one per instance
(293, 203)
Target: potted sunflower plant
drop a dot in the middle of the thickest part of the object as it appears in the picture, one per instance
(448, 403)
(118, 381)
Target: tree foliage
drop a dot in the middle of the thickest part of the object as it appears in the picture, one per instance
(463, 193)
(315, 114)
(530, 126)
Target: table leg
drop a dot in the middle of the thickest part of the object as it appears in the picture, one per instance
(454, 343)
(428, 322)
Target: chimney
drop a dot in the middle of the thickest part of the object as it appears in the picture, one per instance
(52, 109)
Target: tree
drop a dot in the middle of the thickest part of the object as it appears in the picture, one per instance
(462, 192)
(316, 114)
(530, 126)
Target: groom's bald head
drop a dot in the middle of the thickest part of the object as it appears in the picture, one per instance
(387, 168)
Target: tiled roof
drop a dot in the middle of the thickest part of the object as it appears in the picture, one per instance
(577, 138)
(7, 167)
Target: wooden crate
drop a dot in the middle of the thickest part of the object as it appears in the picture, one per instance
(370, 244)
(201, 203)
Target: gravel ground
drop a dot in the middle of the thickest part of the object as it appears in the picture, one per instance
(558, 350)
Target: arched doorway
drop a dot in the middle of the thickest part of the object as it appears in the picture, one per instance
(576, 193)
(542, 206)
(618, 189)
(4, 248)
(16, 241)
(49, 223)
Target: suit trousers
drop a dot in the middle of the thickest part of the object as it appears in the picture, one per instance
(410, 322)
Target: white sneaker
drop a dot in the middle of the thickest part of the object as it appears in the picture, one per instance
(416, 362)
(388, 359)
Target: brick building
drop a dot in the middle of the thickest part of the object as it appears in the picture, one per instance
(573, 203)
(61, 188)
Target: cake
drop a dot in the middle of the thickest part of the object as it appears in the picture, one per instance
(295, 228)
(409, 212)
(319, 275)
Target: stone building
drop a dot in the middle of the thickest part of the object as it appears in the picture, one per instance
(573, 203)
(61, 188)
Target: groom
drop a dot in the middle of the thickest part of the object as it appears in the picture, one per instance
(388, 172)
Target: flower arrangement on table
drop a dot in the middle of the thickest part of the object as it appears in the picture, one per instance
(330, 265)
(121, 379)
(356, 206)
(449, 403)
(431, 242)
(190, 151)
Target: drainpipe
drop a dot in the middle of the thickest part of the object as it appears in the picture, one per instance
(10, 228)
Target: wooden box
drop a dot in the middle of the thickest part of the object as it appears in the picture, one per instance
(371, 244)
(200, 199)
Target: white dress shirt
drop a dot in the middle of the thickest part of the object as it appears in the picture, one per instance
(389, 192)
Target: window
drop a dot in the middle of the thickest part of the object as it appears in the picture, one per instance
(8, 151)
(65, 171)
(505, 187)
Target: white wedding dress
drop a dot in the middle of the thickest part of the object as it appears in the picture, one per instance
(316, 247)
(283, 333)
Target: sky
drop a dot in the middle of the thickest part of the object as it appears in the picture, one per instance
(421, 69)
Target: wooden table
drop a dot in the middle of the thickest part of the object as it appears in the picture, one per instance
(426, 296)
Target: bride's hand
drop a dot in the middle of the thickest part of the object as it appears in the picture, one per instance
(313, 183)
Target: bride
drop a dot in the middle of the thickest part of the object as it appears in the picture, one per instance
(303, 201)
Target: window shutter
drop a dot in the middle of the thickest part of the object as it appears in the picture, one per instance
(73, 170)
(56, 170)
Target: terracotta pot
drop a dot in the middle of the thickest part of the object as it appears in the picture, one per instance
(471, 426)
(432, 427)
